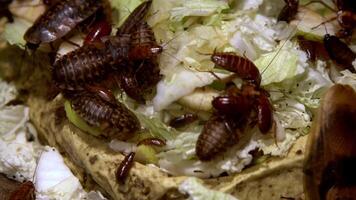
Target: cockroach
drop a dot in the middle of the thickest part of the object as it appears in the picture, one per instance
(134, 19)
(152, 142)
(144, 43)
(59, 20)
(137, 83)
(183, 120)
(13, 190)
(314, 50)
(103, 93)
(100, 29)
(339, 52)
(90, 63)
(244, 68)
(218, 134)
(329, 168)
(345, 15)
(115, 120)
(233, 109)
(124, 167)
(289, 11)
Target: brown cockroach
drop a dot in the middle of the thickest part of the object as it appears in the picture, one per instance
(90, 63)
(125, 166)
(60, 19)
(13, 190)
(314, 49)
(144, 45)
(331, 153)
(183, 120)
(289, 11)
(234, 108)
(135, 18)
(339, 52)
(115, 120)
(244, 68)
(218, 134)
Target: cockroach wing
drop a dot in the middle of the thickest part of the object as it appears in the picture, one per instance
(331, 151)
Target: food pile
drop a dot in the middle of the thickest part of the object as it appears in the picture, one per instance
(201, 88)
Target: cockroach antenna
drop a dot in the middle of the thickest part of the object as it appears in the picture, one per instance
(280, 49)
(320, 2)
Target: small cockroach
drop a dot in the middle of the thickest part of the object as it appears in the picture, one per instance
(244, 68)
(289, 11)
(13, 190)
(124, 167)
(90, 63)
(59, 20)
(218, 134)
(331, 154)
(152, 142)
(183, 120)
(314, 50)
(135, 18)
(115, 120)
(339, 52)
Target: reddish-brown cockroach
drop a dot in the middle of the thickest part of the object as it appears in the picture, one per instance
(124, 167)
(115, 120)
(233, 109)
(314, 50)
(339, 52)
(144, 45)
(289, 11)
(244, 68)
(183, 120)
(90, 63)
(13, 190)
(218, 134)
(135, 18)
(60, 19)
(331, 154)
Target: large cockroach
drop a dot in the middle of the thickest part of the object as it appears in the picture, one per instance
(144, 45)
(234, 108)
(126, 164)
(115, 120)
(289, 11)
(90, 63)
(244, 68)
(60, 19)
(13, 190)
(331, 154)
(218, 134)
(339, 52)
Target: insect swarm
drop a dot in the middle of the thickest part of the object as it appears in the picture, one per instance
(330, 161)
